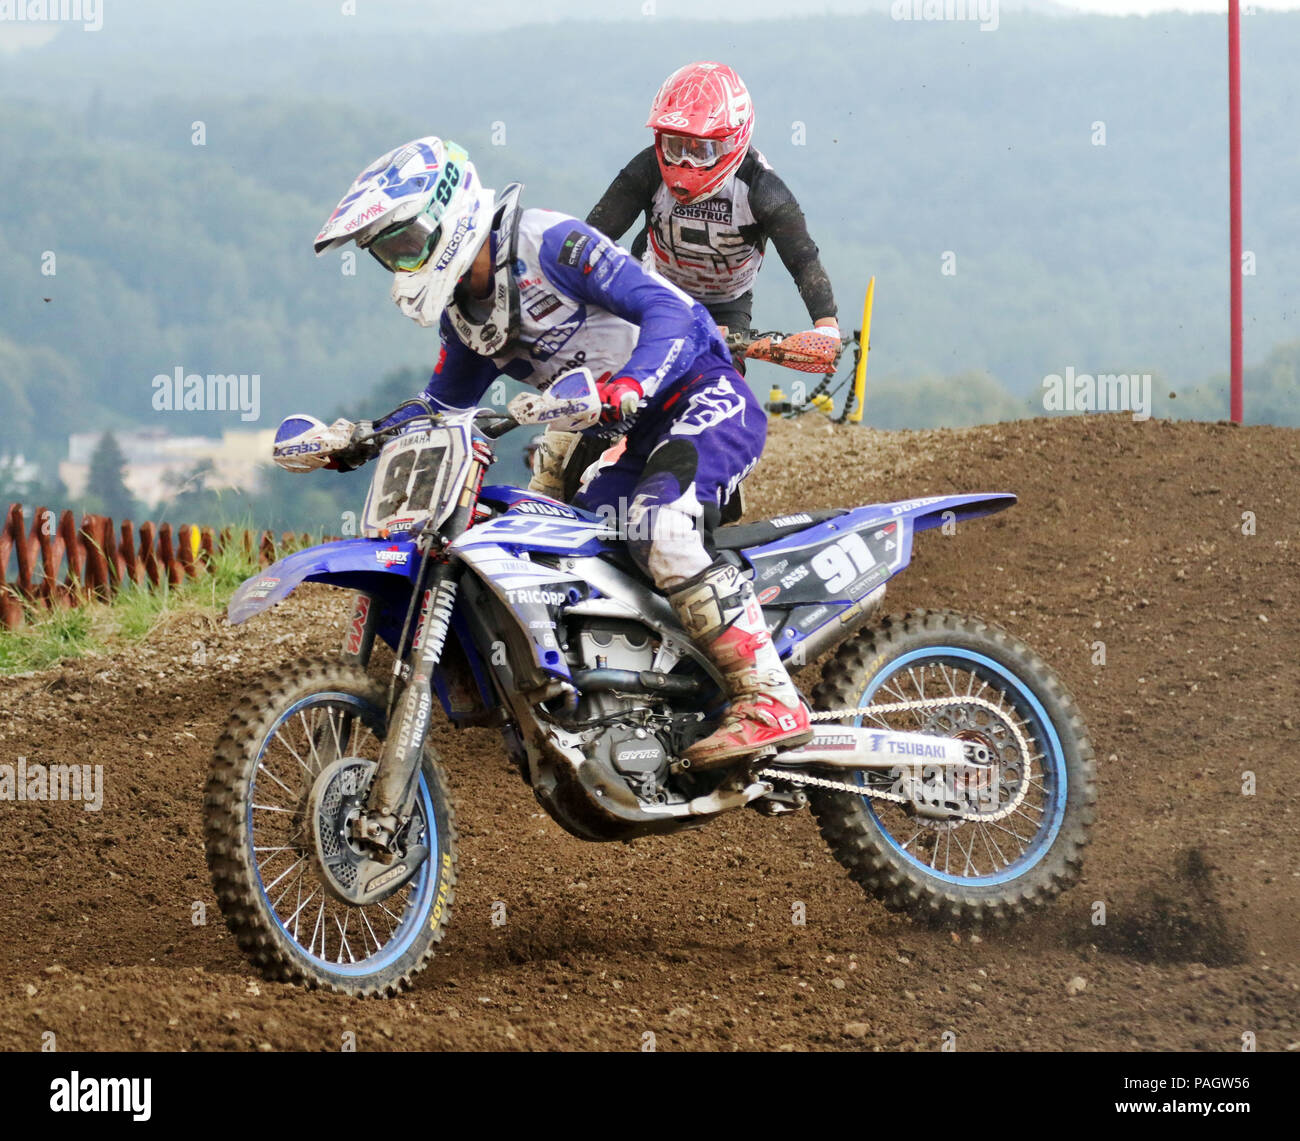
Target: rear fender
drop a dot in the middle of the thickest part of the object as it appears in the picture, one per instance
(820, 584)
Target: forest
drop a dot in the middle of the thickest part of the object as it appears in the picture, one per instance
(1052, 195)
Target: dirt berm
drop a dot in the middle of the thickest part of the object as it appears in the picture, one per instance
(1135, 535)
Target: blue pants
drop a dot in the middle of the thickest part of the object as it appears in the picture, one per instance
(687, 452)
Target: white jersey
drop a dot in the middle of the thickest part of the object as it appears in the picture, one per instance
(572, 299)
(705, 247)
(713, 249)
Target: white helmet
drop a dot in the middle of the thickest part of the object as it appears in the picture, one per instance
(421, 211)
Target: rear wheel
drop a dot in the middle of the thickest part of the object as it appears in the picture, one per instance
(1011, 836)
(262, 847)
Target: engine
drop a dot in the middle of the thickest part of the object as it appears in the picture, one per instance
(623, 737)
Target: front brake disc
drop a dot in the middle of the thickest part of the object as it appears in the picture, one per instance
(348, 867)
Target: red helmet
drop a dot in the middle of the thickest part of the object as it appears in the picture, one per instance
(702, 118)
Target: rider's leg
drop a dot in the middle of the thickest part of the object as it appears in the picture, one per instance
(696, 458)
(553, 452)
(722, 616)
(564, 461)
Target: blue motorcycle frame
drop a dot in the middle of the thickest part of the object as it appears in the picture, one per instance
(473, 598)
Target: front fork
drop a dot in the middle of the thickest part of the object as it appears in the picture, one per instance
(359, 637)
(391, 798)
(392, 793)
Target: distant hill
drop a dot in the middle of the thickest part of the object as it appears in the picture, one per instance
(905, 141)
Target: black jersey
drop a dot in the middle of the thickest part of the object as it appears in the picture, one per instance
(713, 248)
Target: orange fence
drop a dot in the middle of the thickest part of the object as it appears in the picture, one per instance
(61, 564)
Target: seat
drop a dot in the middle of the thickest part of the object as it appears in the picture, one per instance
(739, 536)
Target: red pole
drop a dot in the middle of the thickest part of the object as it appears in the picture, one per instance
(1234, 178)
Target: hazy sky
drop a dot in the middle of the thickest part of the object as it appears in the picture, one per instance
(1142, 7)
(16, 35)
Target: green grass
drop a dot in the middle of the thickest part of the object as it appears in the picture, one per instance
(53, 636)
(47, 639)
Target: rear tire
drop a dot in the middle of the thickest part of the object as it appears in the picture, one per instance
(341, 711)
(879, 661)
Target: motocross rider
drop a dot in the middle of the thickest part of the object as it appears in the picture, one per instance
(535, 294)
(711, 203)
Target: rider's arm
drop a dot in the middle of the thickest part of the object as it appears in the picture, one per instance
(459, 379)
(673, 329)
(776, 210)
(628, 195)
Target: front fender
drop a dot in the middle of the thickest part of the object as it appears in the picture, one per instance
(377, 566)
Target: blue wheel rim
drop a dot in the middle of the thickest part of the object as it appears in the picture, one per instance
(1054, 775)
(422, 885)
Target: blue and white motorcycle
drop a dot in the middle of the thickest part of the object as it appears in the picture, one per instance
(950, 771)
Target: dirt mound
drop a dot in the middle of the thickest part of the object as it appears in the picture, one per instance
(1152, 564)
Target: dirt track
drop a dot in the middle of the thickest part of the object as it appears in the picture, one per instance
(1129, 534)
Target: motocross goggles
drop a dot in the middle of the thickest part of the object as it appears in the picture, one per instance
(691, 151)
(407, 246)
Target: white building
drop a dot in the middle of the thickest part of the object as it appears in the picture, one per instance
(157, 460)
(19, 469)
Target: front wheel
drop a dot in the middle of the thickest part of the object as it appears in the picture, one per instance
(263, 849)
(1011, 840)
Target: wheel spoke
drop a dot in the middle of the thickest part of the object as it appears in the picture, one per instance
(1000, 860)
(338, 744)
(308, 738)
(319, 927)
(361, 911)
(311, 741)
(261, 768)
(297, 883)
(983, 708)
(279, 736)
(343, 938)
(281, 876)
(298, 910)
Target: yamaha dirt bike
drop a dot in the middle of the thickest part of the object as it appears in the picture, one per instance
(950, 771)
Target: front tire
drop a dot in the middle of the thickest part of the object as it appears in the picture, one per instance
(949, 869)
(260, 848)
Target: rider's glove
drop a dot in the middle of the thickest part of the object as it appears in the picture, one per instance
(360, 449)
(303, 443)
(828, 327)
(619, 398)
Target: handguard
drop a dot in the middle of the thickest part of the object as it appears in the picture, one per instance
(303, 443)
(809, 351)
(569, 403)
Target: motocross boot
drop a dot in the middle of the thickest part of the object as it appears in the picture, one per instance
(719, 611)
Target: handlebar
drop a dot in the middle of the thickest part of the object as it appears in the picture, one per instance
(503, 422)
(741, 340)
(803, 352)
(367, 439)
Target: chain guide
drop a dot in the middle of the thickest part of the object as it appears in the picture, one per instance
(804, 779)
